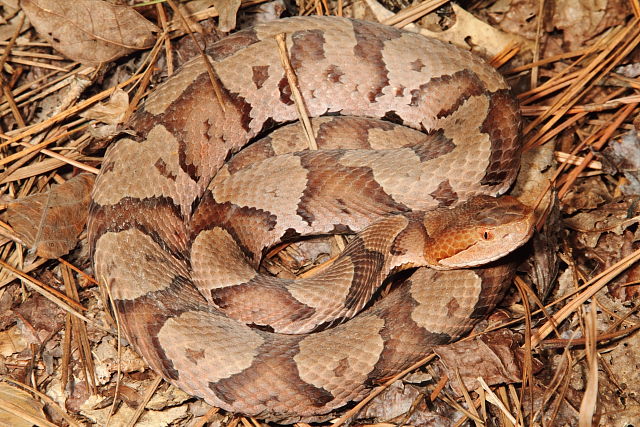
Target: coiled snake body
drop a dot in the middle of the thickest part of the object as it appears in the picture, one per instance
(178, 237)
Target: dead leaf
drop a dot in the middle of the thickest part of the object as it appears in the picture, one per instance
(8, 26)
(227, 11)
(536, 171)
(396, 400)
(12, 341)
(585, 195)
(149, 418)
(544, 264)
(19, 408)
(262, 13)
(581, 20)
(468, 32)
(111, 112)
(624, 155)
(51, 222)
(516, 16)
(167, 396)
(492, 357)
(39, 318)
(90, 31)
(610, 218)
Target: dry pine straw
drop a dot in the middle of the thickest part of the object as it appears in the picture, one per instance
(28, 167)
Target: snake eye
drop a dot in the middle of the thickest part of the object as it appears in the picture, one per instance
(487, 235)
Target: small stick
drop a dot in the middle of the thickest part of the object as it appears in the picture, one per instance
(353, 411)
(212, 75)
(297, 96)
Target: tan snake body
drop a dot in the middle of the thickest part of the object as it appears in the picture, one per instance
(178, 237)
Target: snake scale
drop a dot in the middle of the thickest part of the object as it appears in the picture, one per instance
(415, 137)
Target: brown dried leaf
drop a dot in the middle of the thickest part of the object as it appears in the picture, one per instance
(396, 400)
(227, 11)
(405, 404)
(12, 341)
(536, 171)
(51, 222)
(8, 26)
(469, 31)
(90, 31)
(40, 318)
(21, 408)
(544, 263)
(261, 13)
(624, 155)
(581, 20)
(111, 112)
(516, 16)
(493, 357)
(610, 218)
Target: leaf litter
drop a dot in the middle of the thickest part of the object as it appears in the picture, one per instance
(562, 348)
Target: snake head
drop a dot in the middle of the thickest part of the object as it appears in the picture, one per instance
(476, 232)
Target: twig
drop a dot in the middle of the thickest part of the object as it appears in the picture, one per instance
(212, 75)
(353, 411)
(303, 115)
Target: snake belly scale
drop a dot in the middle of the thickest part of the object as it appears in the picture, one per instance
(178, 234)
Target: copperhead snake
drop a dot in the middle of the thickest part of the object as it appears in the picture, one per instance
(178, 235)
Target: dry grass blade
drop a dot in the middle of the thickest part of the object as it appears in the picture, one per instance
(9, 46)
(33, 129)
(590, 398)
(508, 52)
(206, 417)
(212, 75)
(549, 60)
(603, 139)
(624, 41)
(358, 407)
(467, 413)
(527, 369)
(467, 397)
(46, 85)
(515, 398)
(80, 333)
(292, 79)
(576, 160)
(536, 49)
(52, 295)
(65, 364)
(167, 40)
(5, 87)
(492, 398)
(77, 270)
(38, 147)
(592, 287)
(504, 398)
(49, 401)
(107, 292)
(146, 77)
(147, 396)
(46, 289)
(19, 412)
(413, 13)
